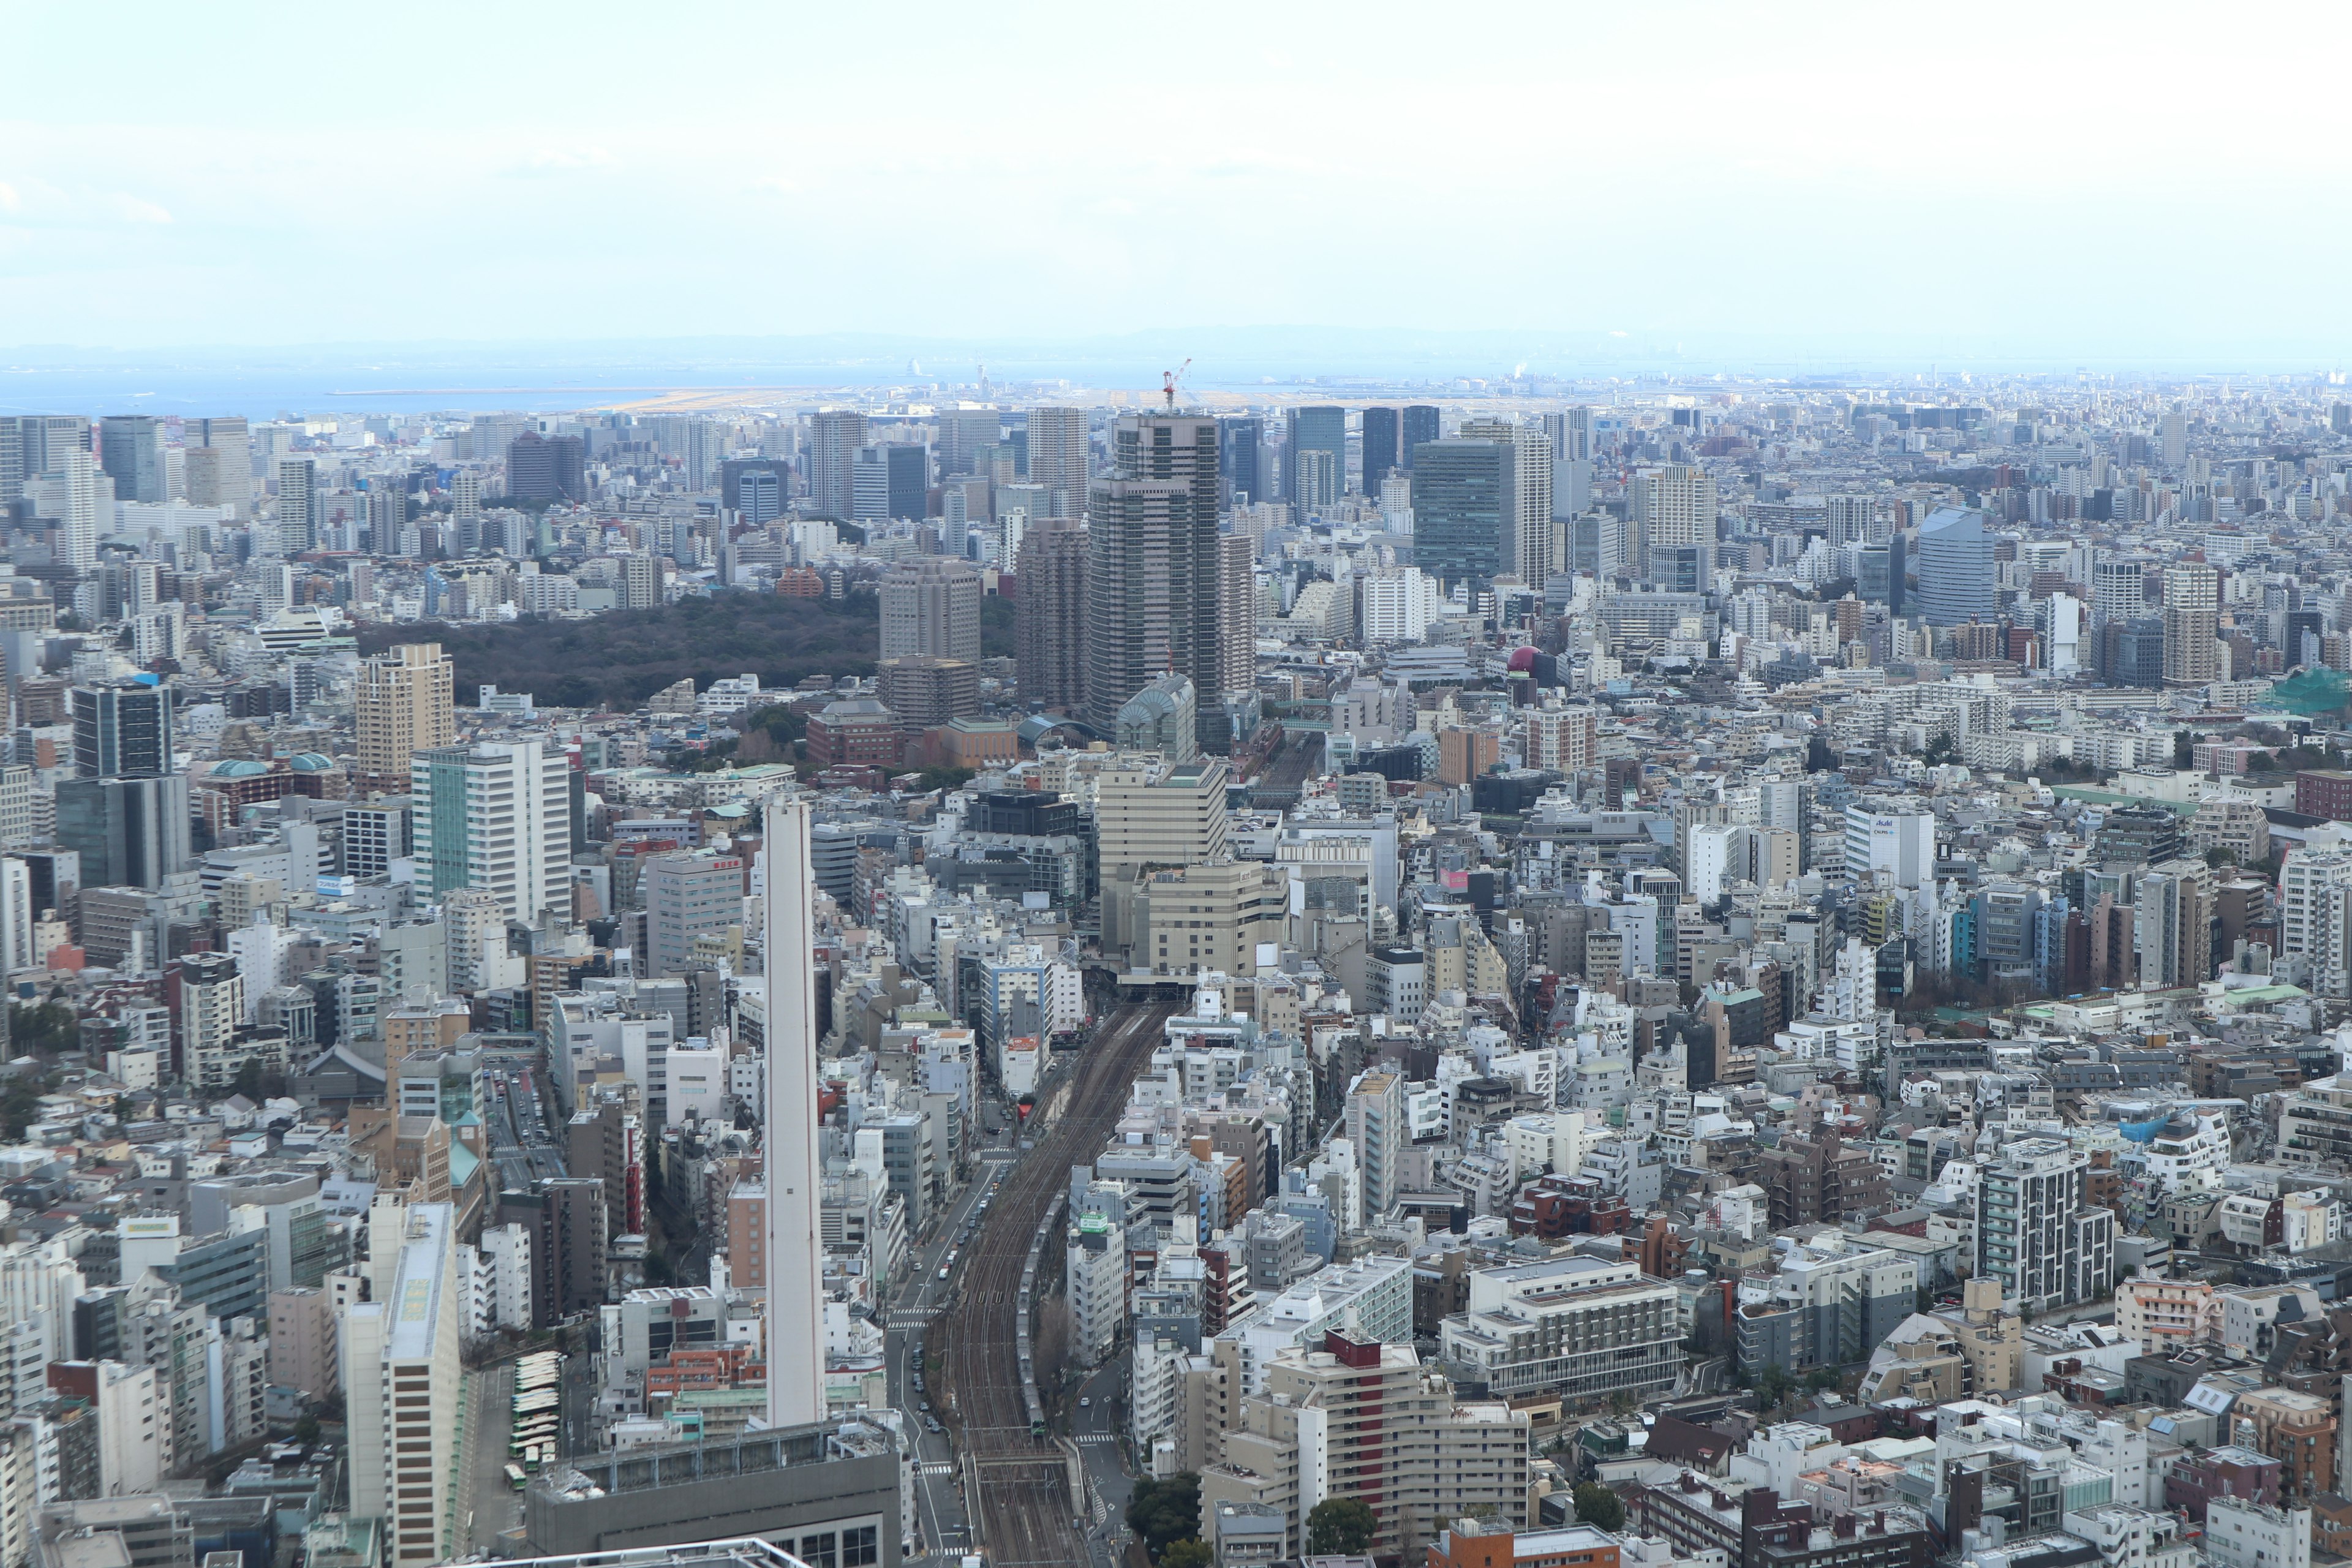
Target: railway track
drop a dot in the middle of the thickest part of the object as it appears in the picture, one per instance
(1016, 1482)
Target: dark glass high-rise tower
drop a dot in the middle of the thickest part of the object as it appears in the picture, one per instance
(1417, 423)
(1381, 428)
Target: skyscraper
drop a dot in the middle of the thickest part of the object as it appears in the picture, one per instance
(45, 440)
(1382, 453)
(1956, 568)
(2174, 429)
(909, 465)
(834, 438)
(546, 468)
(298, 505)
(405, 704)
(1058, 457)
(387, 504)
(1672, 506)
(1418, 422)
(78, 519)
(757, 488)
(227, 471)
(1049, 609)
(2192, 603)
(965, 432)
(123, 731)
(795, 1249)
(1153, 604)
(931, 609)
(1237, 617)
(1319, 427)
(1527, 543)
(1463, 503)
(1571, 435)
(131, 449)
(1241, 457)
(497, 818)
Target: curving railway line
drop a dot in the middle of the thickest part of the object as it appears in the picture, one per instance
(1016, 1482)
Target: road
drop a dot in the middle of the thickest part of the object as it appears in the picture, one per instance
(1099, 1426)
(1027, 1517)
(523, 1140)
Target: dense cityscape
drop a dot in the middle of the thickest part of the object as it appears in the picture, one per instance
(1710, 971)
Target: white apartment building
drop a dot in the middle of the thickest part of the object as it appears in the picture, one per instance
(2242, 1533)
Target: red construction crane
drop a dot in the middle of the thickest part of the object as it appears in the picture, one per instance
(1169, 378)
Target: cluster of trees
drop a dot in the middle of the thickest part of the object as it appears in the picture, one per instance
(44, 1027)
(1166, 1516)
(621, 658)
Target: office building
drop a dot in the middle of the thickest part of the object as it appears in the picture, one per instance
(1240, 460)
(405, 703)
(1049, 624)
(546, 468)
(130, 833)
(219, 456)
(2036, 1230)
(2192, 601)
(1899, 845)
(931, 609)
(755, 488)
(794, 1248)
(1383, 455)
(1465, 506)
(1059, 459)
(1317, 429)
(131, 452)
(296, 510)
(685, 895)
(1956, 568)
(888, 482)
(1528, 545)
(1416, 423)
(123, 731)
(1583, 1329)
(834, 438)
(404, 1384)
(1154, 566)
(496, 818)
(1879, 574)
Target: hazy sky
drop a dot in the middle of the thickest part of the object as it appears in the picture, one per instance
(2107, 182)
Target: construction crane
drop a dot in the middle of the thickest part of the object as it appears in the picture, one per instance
(1169, 379)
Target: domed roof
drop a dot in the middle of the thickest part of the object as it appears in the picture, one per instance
(1522, 658)
(242, 769)
(310, 763)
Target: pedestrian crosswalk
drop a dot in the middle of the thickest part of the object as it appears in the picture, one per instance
(1096, 1438)
(938, 1467)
